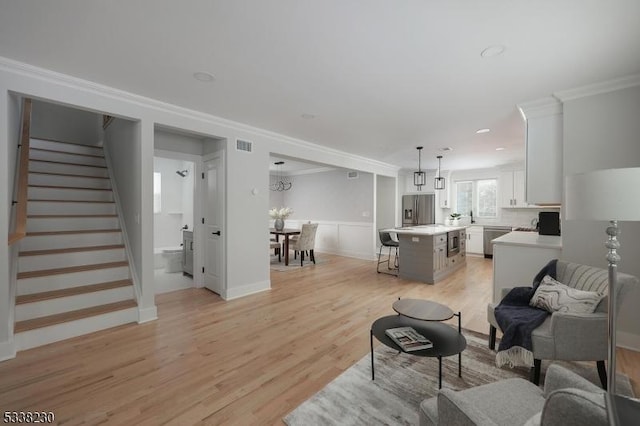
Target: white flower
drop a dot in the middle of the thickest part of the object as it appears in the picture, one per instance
(282, 213)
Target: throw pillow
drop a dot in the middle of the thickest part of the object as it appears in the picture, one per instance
(554, 296)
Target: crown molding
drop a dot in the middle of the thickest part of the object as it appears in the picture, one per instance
(598, 88)
(540, 108)
(16, 67)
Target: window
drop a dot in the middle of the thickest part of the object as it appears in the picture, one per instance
(479, 196)
(157, 192)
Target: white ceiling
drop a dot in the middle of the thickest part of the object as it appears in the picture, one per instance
(380, 76)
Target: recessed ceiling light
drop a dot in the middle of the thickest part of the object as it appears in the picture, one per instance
(446, 149)
(308, 116)
(492, 51)
(500, 149)
(483, 131)
(203, 76)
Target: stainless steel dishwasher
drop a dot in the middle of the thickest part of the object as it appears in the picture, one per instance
(491, 232)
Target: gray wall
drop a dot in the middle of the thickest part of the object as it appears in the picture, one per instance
(600, 132)
(385, 202)
(330, 196)
(123, 147)
(65, 124)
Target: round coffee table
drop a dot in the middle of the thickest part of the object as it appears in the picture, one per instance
(424, 310)
(447, 341)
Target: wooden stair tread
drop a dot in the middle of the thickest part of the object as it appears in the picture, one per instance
(67, 174)
(56, 200)
(67, 163)
(70, 250)
(73, 291)
(66, 152)
(62, 216)
(71, 269)
(50, 320)
(84, 188)
(70, 143)
(82, 231)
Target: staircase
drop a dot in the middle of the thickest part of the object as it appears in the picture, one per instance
(73, 275)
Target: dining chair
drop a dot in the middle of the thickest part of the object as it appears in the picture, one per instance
(305, 242)
(276, 249)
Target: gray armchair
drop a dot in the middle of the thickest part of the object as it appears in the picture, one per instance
(567, 400)
(567, 336)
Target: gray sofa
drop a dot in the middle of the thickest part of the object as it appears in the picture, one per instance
(570, 336)
(567, 400)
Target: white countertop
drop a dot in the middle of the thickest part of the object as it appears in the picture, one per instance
(424, 229)
(529, 239)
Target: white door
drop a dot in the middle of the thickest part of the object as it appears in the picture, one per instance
(213, 189)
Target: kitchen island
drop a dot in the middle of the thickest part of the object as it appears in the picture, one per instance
(429, 253)
(519, 256)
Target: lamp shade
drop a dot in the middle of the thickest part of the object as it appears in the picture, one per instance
(611, 194)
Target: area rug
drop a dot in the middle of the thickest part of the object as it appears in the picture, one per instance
(294, 264)
(403, 381)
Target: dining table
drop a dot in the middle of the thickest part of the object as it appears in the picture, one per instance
(286, 232)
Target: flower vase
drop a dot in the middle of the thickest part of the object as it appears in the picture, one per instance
(279, 224)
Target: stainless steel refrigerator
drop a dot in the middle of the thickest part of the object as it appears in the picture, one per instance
(418, 209)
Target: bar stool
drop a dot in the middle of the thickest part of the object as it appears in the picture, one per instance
(387, 241)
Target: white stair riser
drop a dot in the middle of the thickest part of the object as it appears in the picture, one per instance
(66, 147)
(74, 279)
(52, 207)
(39, 166)
(64, 260)
(48, 242)
(42, 336)
(71, 224)
(35, 154)
(77, 181)
(44, 308)
(68, 194)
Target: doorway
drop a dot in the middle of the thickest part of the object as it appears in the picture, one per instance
(173, 225)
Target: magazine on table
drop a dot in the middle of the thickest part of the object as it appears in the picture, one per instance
(408, 339)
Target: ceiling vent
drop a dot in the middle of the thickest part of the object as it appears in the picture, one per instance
(245, 146)
(353, 175)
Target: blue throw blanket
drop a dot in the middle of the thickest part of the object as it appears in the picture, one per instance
(517, 320)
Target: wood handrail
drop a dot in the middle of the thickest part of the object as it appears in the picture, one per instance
(23, 175)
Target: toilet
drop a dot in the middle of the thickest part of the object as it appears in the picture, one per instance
(172, 257)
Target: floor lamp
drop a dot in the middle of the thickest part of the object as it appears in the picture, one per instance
(610, 195)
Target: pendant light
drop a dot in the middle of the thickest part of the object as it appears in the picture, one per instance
(419, 177)
(438, 182)
(280, 182)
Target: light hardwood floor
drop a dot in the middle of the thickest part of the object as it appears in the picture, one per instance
(248, 361)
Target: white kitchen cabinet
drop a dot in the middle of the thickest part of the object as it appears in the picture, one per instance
(519, 256)
(512, 184)
(475, 240)
(543, 151)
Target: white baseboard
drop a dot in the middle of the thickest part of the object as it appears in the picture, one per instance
(7, 350)
(346, 253)
(147, 314)
(628, 340)
(245, 290)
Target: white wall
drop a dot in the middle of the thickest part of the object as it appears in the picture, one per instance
(385, 202)
(331, 196)
(58, 122)
(602, 131)
(176, 142)
(10, 108)
(247, 175)
(122, 146)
